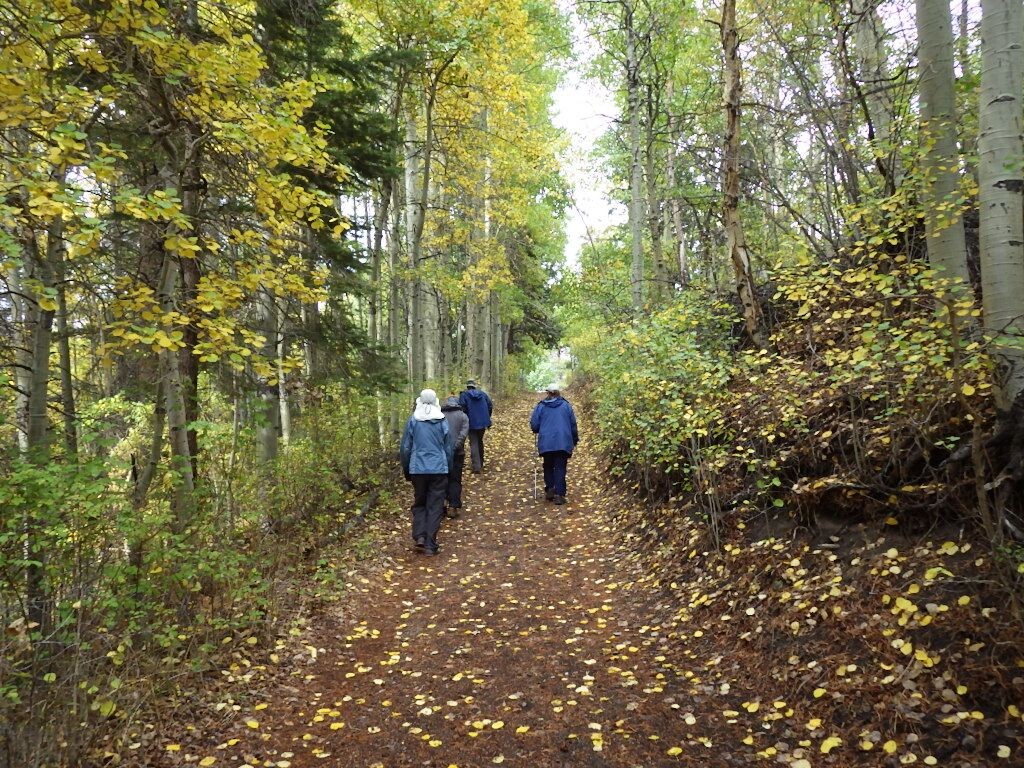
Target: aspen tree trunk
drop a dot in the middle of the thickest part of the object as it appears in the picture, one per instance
(636, 205)
(39, 333)
(174, 394)
(675, 204)
(876, 82)
(396, 315)
(310, 316)
(377, 325)
(655, 216)
(67, 390)
(144, 472)
(380, 218)
(270, 418)
(736, 242)
(432, 309)
(478, 301)
(947, 245)
(473, 346)
(497, 338)
(283, 400)
(1001, 185)
(963, 39)
(23, 315)
(486, 337)
(413, 233)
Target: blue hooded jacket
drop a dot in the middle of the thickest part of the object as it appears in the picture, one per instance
(426, 447)
(478, 406)
(554, 423)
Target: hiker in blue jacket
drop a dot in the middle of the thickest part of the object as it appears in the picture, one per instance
(554, 423)
(426, 453)
(478, 407)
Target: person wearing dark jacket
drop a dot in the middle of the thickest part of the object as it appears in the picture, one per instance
(478, 407)
(426, 453)
(554, 423)
(458, 423)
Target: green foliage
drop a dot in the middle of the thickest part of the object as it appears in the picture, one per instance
(866, 388)
(133, 600)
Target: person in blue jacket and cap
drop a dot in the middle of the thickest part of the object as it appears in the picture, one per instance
(478, 407)
(426, 453)
(554, 423)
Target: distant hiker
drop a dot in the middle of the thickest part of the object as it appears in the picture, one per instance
(478, 407)
(458, 423)
(426, 453)
(554, 423)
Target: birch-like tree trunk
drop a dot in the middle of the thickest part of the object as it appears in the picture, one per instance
(636, 201)
(875, 85)
(38, 336)
(270, 413)
(655, 207)
(736, 242)
(414, 213)
(396, 314)
(24, 320)
(67, 389)
(283, 399)
(940, 163)
(380, 219)
(675, 204)
(174, 394)
(1001, 186)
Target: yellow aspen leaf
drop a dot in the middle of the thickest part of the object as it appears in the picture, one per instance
(830, 743)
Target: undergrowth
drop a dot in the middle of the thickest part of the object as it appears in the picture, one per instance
(137, 610)
(870, 401)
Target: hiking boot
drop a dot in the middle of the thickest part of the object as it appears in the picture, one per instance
(421, 542)
(549, 494)
(452, 513)
(559, 499)
(431, 552)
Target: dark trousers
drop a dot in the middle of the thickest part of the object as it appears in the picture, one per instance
(428, 506)
(455, 480)
(476, 448)
(555, 465)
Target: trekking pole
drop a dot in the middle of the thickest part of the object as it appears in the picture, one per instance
(534, 482)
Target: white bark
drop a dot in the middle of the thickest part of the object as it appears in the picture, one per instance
(636, 201)
(283, 399)
(413, 232)
(876, 81)
(947, 245)
(1001, 184)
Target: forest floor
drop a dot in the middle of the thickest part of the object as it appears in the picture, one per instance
(539, 637)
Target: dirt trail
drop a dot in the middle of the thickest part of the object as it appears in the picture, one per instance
(536, 639)
(522, 643)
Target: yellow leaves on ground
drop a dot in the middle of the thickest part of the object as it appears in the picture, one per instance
(830, 743)
(419, 667)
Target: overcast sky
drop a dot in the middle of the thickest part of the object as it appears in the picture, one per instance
(584, 109)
